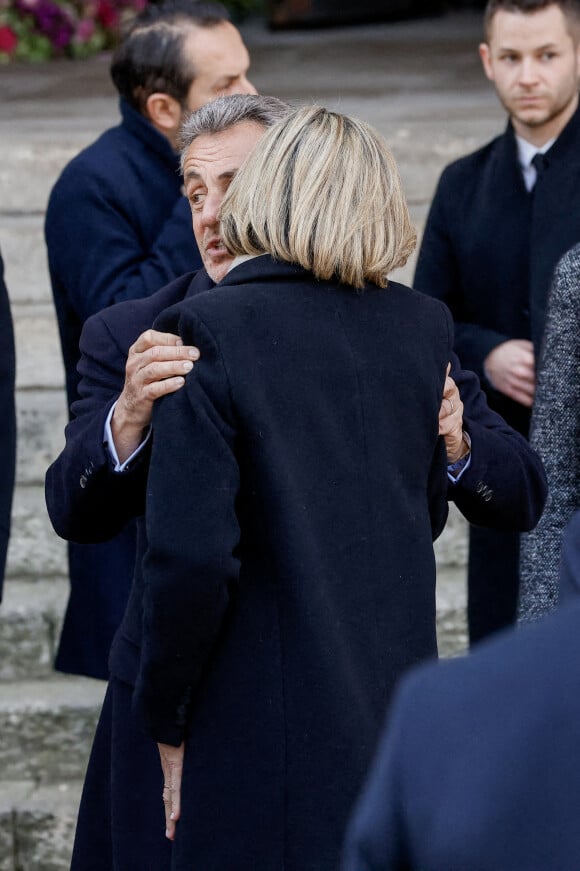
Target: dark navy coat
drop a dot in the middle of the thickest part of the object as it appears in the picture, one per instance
(504, 484)
(289, 576)
(490, 247)
(7, 421)
(479, 768)
(91, 505)
(117, 228)
(489, 251)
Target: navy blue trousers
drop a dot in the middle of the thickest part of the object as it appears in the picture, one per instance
(121, 823)
(493, 581)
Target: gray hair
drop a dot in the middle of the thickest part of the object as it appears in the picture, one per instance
(225, 112)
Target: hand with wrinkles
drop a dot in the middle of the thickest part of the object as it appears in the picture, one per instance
(172, 765)
(451, 421)
(157, 365)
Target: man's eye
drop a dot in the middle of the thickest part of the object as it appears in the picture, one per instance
(196, 200)
(548, 55)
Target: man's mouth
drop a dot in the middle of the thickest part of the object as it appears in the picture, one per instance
(215, 246)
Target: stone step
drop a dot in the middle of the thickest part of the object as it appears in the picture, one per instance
(37, 825)
(41, 419)
(30, 622)
(35, 551)
(451, 614)
(47, 728)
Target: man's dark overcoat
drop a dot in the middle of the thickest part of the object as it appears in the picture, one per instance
(117, 227)
(504, 484)
(489, 251)
(7, 421)
(479, 767)
(295, 485)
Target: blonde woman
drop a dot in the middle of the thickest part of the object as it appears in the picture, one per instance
(296, 483)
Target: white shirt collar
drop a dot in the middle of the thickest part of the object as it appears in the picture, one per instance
(241, 258)
(527, 151)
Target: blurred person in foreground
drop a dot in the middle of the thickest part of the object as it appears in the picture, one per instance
(555, 434)
(118, 227)
(478, 769)
(8, 422)
(296, 484)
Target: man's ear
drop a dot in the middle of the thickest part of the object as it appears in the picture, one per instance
(485, 55)
(164, 112)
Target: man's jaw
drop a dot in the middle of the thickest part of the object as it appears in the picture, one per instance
(216, 258)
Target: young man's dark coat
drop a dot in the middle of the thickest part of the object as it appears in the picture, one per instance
(479, 767)
(7, 421)
(489, 251)
(117, 228)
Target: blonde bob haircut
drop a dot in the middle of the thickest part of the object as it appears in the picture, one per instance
(322, 190)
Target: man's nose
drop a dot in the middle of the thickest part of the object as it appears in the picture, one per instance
(210, 210)
(246, 87)
(528, 71)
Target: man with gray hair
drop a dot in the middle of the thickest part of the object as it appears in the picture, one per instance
(125, 366)
(118, 228)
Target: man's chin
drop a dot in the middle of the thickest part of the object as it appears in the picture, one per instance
(217, 265)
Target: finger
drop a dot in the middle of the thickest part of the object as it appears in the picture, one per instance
(167, 353)
(524, 397)
(167, 807)
(153, 337)
(160, 370)
(150, 392)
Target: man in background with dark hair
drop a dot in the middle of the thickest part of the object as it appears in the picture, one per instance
(500, 220)
(117, 228)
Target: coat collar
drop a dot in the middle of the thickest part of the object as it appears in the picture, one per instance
(266, 269)
(200, 282)
(139, 127)
(564, 150)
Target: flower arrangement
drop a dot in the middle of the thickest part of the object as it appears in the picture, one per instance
(36, 30)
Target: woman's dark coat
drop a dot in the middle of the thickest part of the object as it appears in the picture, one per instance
(295, 485)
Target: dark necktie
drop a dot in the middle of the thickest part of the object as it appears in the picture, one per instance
(539, 162)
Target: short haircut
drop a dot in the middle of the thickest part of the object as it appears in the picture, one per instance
(150, 59)
(225, 112)
(570, 8)
(322, 190)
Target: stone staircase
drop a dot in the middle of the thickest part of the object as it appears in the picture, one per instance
(47, 114)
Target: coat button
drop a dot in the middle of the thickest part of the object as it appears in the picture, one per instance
(488, 495)
(83, 481)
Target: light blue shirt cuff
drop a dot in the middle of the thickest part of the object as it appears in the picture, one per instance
(455, 471)
(110, 445)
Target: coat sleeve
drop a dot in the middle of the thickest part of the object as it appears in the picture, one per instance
(505, 484)
(97, 244)
(439, 274)
(555, 433)
(87, 501)
(191, 567)
(7, 421)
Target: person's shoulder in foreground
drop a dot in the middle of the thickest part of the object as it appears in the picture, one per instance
(479, 766)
